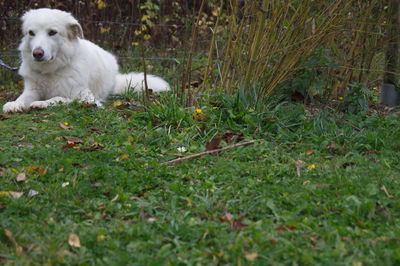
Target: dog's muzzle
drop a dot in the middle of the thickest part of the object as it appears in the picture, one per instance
(38, 54)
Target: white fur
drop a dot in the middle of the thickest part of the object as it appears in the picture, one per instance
(71, 67)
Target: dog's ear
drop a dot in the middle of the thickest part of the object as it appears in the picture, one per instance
(74, 31)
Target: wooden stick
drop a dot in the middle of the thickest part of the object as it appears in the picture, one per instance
(197, 155)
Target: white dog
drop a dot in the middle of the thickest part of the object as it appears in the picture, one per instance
(58, 65)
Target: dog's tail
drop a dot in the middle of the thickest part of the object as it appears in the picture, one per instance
(135, 82)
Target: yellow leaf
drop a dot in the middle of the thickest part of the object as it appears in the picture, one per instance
(74, 241)
(124, 157)
(118, 104)
(251, 256)
(32, 168)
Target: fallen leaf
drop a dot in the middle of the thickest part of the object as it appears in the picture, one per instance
(332, 146)
(285, 226)
(21, 177)
(95, 146)
(15, 195)
(69, 146)
(95, 130)
(89, 105)
(230, 137)
(71, 139)
(32, 193)
(372, 152)
(74, 241)
(27, 145)
(118, 104)
(115, 198)
(64, 252)
(299, 165)
(229, 216)
(18, 249)
(213, 144)
(309, 152)
(4, 116)
(41, 171)
(126, 116)
(97, 184)
(64, 184)
(32, 168)
(65, 126)
(124, 156)
(77, 165)
(251, 256)
(152, 219)
(237, 225)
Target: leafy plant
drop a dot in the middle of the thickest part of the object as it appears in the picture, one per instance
(356, 98)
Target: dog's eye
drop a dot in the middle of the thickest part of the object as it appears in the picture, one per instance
(52, 33)
(31, 33)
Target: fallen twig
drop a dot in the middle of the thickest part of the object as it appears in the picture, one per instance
(197, 155)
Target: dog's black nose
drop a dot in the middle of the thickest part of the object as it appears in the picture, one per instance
(38, 53)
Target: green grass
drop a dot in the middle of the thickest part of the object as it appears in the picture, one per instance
(243, 206)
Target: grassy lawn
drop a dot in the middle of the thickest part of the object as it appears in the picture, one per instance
(321, 188)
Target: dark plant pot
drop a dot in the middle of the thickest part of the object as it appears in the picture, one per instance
(389, 95)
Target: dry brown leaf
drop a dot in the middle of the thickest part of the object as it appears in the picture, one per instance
(4, 116)
(213, 144)
(74, 140)
(309, 152)
(66, 127)
(69, 146)
(285, 226)
(74, 241)
(41, 171)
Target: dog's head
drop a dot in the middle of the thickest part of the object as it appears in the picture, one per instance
(47, 32)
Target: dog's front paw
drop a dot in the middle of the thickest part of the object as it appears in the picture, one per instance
(13, 107)
(39, 105)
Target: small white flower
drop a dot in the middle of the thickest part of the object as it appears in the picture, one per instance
(65, 184)
(182, 149)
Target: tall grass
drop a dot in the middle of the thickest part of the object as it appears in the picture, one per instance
(266, 42)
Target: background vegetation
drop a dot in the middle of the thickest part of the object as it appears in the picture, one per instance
(323, 49)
